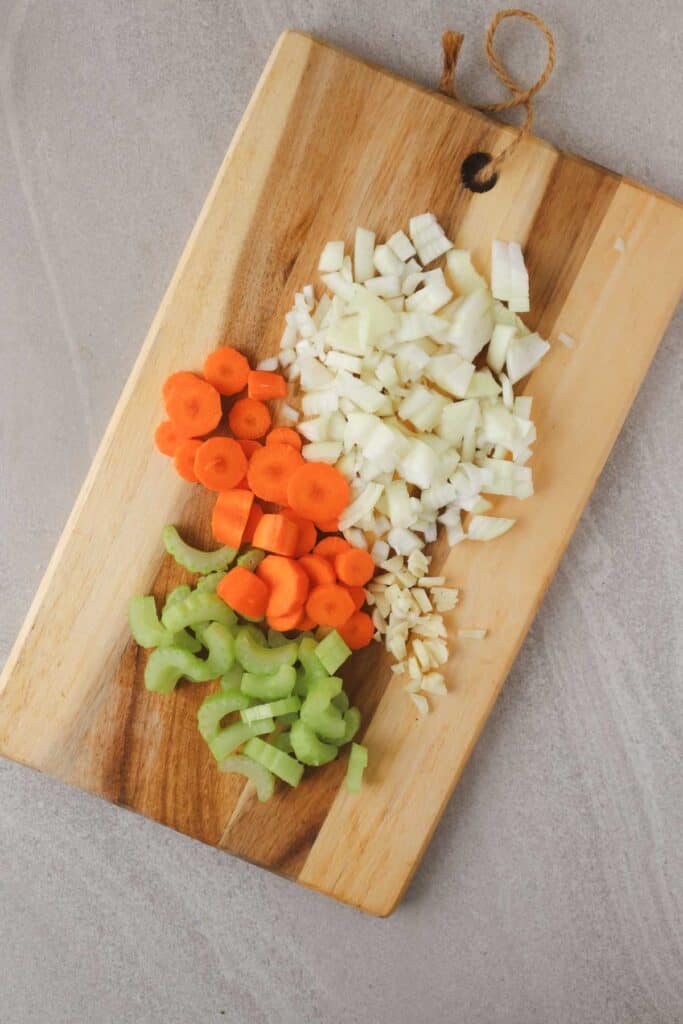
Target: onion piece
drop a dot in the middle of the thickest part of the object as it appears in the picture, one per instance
(488, 527)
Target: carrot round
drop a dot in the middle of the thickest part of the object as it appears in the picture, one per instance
(307, 534)
(270, 469)
(317, 491)
(264, 385)
(277, 534)
(249, 446)
(330, 605)
(183, 458)
(230, 516)
(357, 596)
(167, 438)
(318, 569)
(357, 631)
(285, 435)
(328, 525)
(180, 377)
(330, 547)
(255, 516)
(354, 566)
(249, 418)
(287, 581)
(220, 463)
(244, 592)
(193, 406)
(227, 369)
(283, 623)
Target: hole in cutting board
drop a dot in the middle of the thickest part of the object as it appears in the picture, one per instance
(471, 166)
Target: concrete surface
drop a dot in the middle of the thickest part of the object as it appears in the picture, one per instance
(550, 892)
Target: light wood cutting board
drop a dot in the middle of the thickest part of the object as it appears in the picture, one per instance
(329, 142)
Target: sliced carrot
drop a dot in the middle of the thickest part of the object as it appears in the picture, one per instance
(220, 463)
(270, 469)
(318, 569)
(357, 631)
(264, 385)
(193, 406)
(167, 438)
(249, 446)
(307, 535)
(318, 491)
(285, 435)
(244, 592)
(354, 566)
(230, 516)
(357, 596)
(277, 534)
(249, 418)
(283, 623)
(227, 369)
(330, 605)
(183, 457)
(330, 547)
(176, 378)
(254, 519)
(305, 622)
(287, 581)
(328, 525)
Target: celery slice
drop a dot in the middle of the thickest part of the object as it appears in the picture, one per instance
(210, 582)
(264, 781)
(178, 593)
(276, 639)
(251, 559)
(186, 641)
(256, 657)
(341, 702)
(233, 736)
(288, 719)
(276, 761)
(166, 665)
(301, 684)
(269, 687)
(332, 652)
(192, 558)
(283, 741)
(195, 609)
(318, 711)
(231, 679)
(215, 707)
(220, 644)
(144, 623)
(358, 760)
(273, 709)
(313, 667)
(351, 725)
(308, 748)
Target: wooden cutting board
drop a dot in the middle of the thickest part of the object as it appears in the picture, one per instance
(329, 142)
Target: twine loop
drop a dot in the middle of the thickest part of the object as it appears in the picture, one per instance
(519, 95)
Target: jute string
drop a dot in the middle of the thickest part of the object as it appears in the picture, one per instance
(519, 96)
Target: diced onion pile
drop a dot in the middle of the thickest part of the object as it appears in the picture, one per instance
(404, 378)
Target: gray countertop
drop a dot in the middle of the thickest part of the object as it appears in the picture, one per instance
(549, 893)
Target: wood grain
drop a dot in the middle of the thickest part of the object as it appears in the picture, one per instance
(329, 142)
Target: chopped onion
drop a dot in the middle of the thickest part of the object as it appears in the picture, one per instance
(488, 527)
(270, 364)
(332, 257)
(400, 244)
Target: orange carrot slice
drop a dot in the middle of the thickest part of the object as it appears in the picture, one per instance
(193, 406)
(285, 435)
(264, 385)
(227, 369)
(277, 534)
(244, 592)
(283, 623)
(354, 566)
(317, 491)
(249, 419)
(220, 463)
(330, 547)
(167, 438)
(328, 525)
(318, 569)
(270, 470)
(305, 622)
(230, 516)
(177, 378)
(287, 581)
(307, 533)
(357, 631)
(183, 458)
(357, 596)
(255, 517)
(249, 446)
(330, 605)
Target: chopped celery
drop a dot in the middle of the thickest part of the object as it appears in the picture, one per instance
(323, 690)
(233, 736)
(185, 640)
(220, 644)
(276, 761)
(288, 719)
(332, 652)
(193, 559)
(144, 623)
(166, 665)
(319, 712)
(283, 741)
(313, 667)
(351, 725)
(358, 760)
(178, 593)
(301, 684)
(264, 781)
(341, 701)
(231, 679)
(256, 657)
(215, 707)
(210, 582)
(251, 559)
(276, 639)
(284, 706)
(269, 687)
(308, 748)
(197, 608)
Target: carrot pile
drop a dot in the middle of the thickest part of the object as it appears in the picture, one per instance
(268, 497)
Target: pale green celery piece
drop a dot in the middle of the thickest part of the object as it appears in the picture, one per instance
(276, 761)
(283, 741)
(251, 559)
(341, 702)
(276, 639)
(220, 644)
(166, 665)
(269, 687)
(186, 641)
(178, 593)
(319, 712)
(301, 684)
(192, 558)
(144, 623)
(332, 652)
(195, 609)
(274, 709)
(256, 657)
(288, 719)
(358, 760)
(308, 748)
(210, 582)
(264, 781)
(233, 736)
(254, 631)
(215, 707)
(231, 679)
(351, 725)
